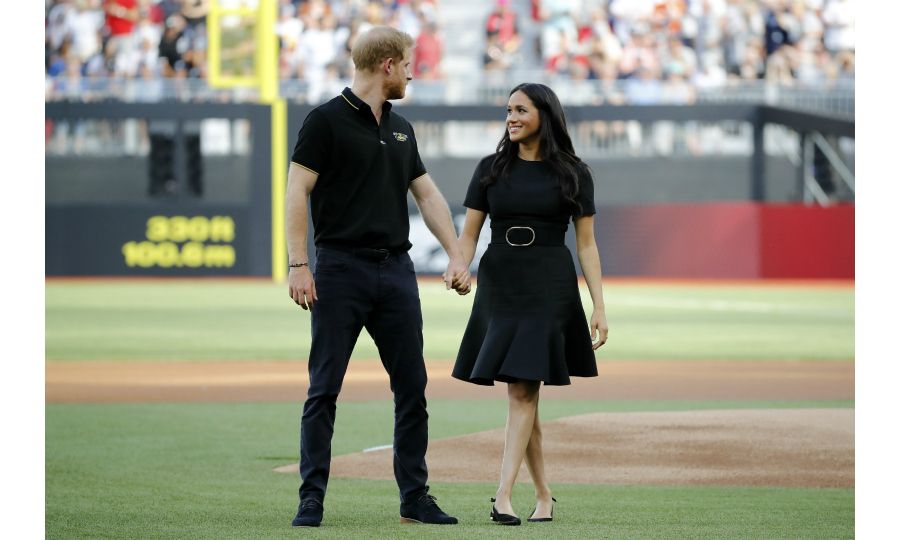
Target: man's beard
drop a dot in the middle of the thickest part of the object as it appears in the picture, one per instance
(396, 91)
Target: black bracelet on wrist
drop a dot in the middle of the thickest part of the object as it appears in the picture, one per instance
(297, 265)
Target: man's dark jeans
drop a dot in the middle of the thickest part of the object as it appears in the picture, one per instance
(382, 296)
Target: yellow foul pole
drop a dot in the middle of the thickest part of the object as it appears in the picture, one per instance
(265, 79)
(267, 71)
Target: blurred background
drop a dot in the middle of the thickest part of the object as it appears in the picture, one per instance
(720, 132)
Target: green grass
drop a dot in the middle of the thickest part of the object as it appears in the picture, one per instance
(216, 320)
(204, 471)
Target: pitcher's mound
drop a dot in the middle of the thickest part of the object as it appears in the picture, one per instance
(784, 447)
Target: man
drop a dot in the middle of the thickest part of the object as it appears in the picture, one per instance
(356, 160)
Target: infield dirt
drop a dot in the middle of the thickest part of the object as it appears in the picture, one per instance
(136, 382)
(784, 448)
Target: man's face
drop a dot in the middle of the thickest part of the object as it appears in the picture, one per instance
(401, 74)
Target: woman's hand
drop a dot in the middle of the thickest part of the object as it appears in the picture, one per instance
(465, 287)
(599, 328)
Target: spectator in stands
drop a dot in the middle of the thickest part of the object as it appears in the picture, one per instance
(779, 24)
(163, 9)
(705, 41)
(644, 88)
(58, 29)
(744, 27)
(564, 52)
(194, 12)
(639, 52)
(85, 25)
(121, 18)
(846, 67)
(428, 52)
(502, 38)
(495, 57)
(503, 23)
(753, 62)
(289, 26)
(172, 45)
(558, 28)
(679, 59)
(406, 17)
(676, 89)
(839, 17)
(318, 48)
(314, 9)
(603, 45)
(146, 36)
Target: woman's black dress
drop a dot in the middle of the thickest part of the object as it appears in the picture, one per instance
(527, 321)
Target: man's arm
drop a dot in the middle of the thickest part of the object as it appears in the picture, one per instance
(301, 286)
(436, 214)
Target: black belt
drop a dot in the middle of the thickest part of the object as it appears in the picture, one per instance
(528, 234)
(372, 254)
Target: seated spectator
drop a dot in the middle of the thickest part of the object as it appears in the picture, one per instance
(682, 56)
(639, 52)
(839, 17)
(503, 23)
(558, 27)
(121, 18)
(502, 37)
(194, 12)
(289, 26)
(645, 87)
(495, 57)
(428, 52)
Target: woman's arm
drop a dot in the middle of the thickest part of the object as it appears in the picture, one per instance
(468, 239)
(589, 257)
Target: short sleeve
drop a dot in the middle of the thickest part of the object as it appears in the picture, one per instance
(476, 195)
(313, 147)
(585, 196)
(416, 166)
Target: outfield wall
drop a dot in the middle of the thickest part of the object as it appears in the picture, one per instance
(738, 240)
(727, 240)
(658, 216)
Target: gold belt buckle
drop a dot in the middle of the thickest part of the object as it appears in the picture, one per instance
(520, 245)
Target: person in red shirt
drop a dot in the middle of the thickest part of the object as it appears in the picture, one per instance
(503, 40)
(428, 52)
(502, 23)
(121, 18)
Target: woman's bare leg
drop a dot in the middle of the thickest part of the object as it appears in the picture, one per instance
(534, 458)
(519, 422)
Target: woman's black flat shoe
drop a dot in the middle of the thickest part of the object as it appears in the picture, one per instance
(538, 520)
(503, 519)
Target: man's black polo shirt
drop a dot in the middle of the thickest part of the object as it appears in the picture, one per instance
(364, 169)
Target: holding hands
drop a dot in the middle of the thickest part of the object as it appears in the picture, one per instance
(457, 277)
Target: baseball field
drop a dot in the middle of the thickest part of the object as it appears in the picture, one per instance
(722, 410)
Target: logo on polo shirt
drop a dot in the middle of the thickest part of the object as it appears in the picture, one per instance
(401, 136)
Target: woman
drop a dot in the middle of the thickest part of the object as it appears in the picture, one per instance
(527, 325)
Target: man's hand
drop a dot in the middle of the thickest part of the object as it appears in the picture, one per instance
(302, 287)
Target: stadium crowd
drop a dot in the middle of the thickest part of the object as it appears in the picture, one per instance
(688, 44)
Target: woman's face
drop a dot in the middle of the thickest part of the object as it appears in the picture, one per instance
(523, 122)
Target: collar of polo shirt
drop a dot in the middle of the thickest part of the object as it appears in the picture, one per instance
(361, 105)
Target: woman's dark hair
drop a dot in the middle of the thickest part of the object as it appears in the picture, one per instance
(555, 144)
